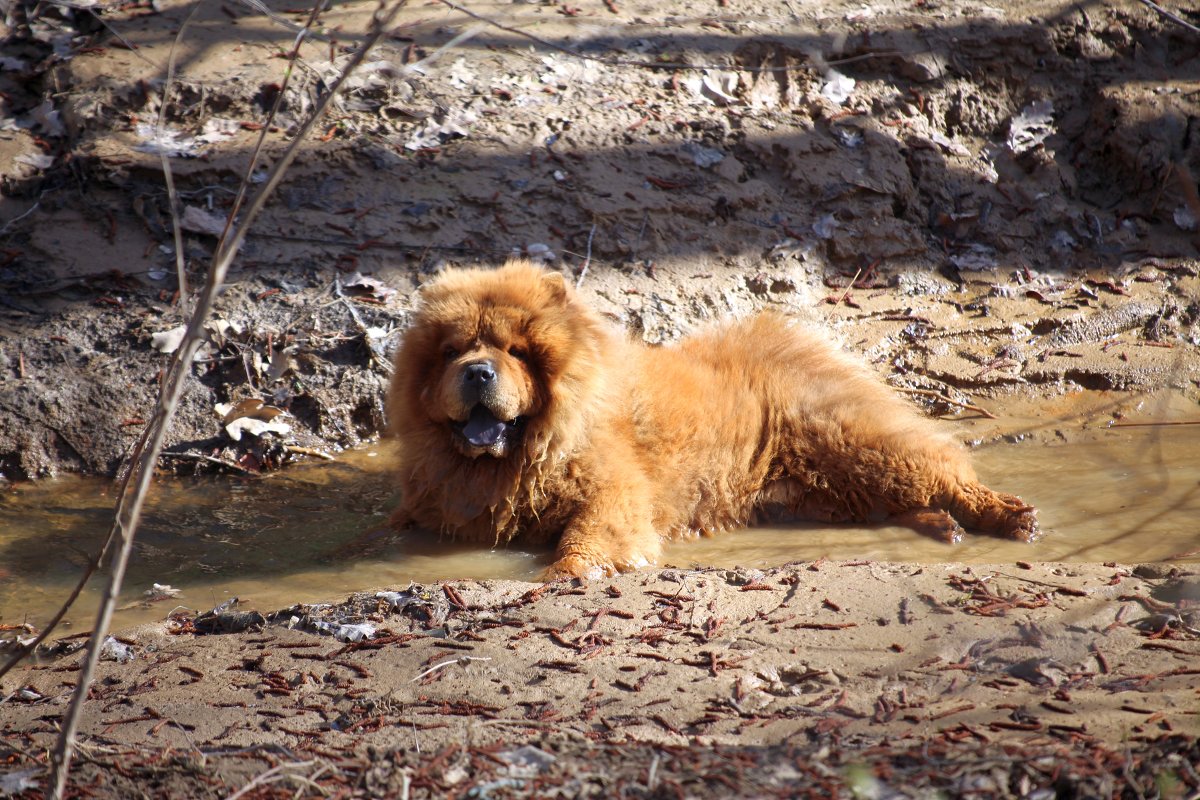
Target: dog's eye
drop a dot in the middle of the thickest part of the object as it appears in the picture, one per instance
(519, 353)
(450, 354)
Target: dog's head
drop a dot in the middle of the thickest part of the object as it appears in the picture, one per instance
(485, 360)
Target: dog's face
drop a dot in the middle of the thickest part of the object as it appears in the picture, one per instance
(484, 359)
(486, 388)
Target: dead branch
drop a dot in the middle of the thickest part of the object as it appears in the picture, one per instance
(945, 399)
(129, 503)
(1168, 15)
(168, 177)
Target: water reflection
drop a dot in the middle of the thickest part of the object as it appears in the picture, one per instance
(318, 531)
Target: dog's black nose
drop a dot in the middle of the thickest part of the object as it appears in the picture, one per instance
(479, 375)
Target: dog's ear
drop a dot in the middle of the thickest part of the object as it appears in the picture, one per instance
(557, 285)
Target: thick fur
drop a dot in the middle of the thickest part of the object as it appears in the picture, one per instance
(606, 447)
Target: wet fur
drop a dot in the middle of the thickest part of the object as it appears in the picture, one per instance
(624, 445)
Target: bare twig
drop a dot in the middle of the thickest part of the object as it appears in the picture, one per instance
(129, 503)
(116, 34)
(168, 177)
(1154, 424)
(464, 660)
(19, 217)
(139, 447)
(309, 451)
(849, 286)
(588, 258)
(1168, 15)
(276, 773)
(945, 399)
(209, 460)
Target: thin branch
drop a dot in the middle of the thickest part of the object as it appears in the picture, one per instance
(168, 177)
(210, 460)
(20, 217)
(1168, 15)
(129, 504)
(588, 259)
(945, 399)
(308, 451)
(271, 775)
(849, 287)
(464, 660)
(95, 12)
(1154, 424)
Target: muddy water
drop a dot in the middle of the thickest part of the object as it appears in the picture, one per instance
(316, 532)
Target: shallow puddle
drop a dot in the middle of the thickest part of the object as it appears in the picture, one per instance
(1127, 494)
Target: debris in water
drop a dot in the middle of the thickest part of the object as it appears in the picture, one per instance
(160, 591)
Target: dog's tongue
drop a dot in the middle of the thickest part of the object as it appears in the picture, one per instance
(482, 429)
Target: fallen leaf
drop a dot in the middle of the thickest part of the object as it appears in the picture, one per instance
(251, 407)
(281, 364)
(719, 85)
(363, 284)
(168, 341)
(1031, 127)
(254, 427)
(197, 220)
(838, 87)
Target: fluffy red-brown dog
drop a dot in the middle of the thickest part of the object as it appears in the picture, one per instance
(519, 412)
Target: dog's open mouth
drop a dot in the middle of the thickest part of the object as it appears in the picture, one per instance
(484, 429)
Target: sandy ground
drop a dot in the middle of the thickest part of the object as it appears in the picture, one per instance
(1002, 206)
(820, 679)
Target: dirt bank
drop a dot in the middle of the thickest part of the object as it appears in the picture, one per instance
(1011, 191)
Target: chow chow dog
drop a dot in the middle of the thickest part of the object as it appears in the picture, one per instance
(519, 412)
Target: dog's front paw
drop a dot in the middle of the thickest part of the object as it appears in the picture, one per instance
(1023, 525)
(933, 522)
(578, 566)
(1016, 519)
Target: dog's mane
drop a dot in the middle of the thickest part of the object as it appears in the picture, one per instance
(514, 488)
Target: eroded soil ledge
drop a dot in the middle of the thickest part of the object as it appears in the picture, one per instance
(1001, 201)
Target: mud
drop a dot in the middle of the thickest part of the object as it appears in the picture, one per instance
(1011, 191)
(1002, 207)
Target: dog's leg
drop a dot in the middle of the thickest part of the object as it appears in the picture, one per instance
(978, 507)
(596, 548)
(931, 489)
(932, 522)
(611, 533)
